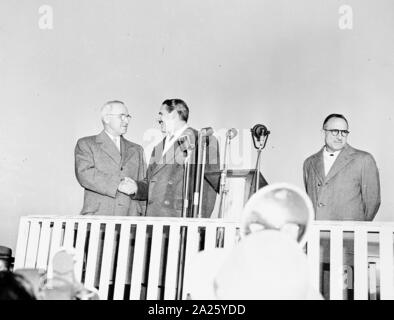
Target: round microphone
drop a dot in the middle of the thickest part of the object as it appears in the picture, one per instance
(259, 130)
(185, 144)
(208, 131)
(231, 133)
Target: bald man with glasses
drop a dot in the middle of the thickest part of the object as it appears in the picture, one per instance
(105, 162)
(342, 182)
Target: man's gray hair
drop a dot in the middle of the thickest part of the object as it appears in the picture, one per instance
(107, 107)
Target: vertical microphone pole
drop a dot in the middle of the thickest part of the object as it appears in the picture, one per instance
(258, 165)
(185, 207)
(196, 197)
(260, 133)
(186, 181)
(223, 193)
(186, 188)
(223, 177)
(203, 162)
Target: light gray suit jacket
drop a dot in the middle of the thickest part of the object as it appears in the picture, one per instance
(351, 189)
(99, 168)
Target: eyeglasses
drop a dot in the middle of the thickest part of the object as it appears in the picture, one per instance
(335, 132)
(122, 116)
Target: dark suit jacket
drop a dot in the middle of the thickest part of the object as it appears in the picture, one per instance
(99, 168)
(163, 184)
(351, 189)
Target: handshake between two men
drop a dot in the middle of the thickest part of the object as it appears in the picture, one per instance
(128, 186)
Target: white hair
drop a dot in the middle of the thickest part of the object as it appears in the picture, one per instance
(107, 108)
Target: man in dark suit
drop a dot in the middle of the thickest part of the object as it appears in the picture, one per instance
(103, 162)
(163, 184)
(342, 182)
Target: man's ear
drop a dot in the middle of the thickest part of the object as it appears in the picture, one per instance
(106, 119)
(173, 114)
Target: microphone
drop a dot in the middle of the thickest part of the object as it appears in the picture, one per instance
(185, 144)
(231, 133)
(259, 130)
(208, 131)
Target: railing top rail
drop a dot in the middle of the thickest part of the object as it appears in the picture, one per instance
(350, 224)
(128, 219)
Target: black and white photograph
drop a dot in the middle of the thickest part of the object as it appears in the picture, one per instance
(211, 150)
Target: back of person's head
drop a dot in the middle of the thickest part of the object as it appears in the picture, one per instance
(279, 206)
(15, 287)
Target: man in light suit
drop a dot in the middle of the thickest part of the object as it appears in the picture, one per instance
(103, 164)
(163, 184)
(342, 182)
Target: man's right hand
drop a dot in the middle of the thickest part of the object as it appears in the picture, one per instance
(128, 186)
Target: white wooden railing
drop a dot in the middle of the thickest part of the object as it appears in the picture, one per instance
(366, 248)
(139, 257)
(122, 263)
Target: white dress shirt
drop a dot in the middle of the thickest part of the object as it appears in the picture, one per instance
(116, 140)
(168, 143)
(329, 159)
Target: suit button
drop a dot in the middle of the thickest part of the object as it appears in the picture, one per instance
(319, 184)
(166, 202)
(170, 182)
(121, 169)
(321, 204)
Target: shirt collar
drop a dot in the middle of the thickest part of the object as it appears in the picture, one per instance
(327, 153)
(111, 136)
(178, 132)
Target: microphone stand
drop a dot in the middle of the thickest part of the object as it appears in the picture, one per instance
(185, 207)
(186, 179)
(262, 142)
(223, 177)
(197, 178)
(203, 162)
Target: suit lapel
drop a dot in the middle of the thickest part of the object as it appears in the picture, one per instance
(173, 156)
(344, 157)
(127, 150)
(108, 147)
(318, 165)
(157, 161)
